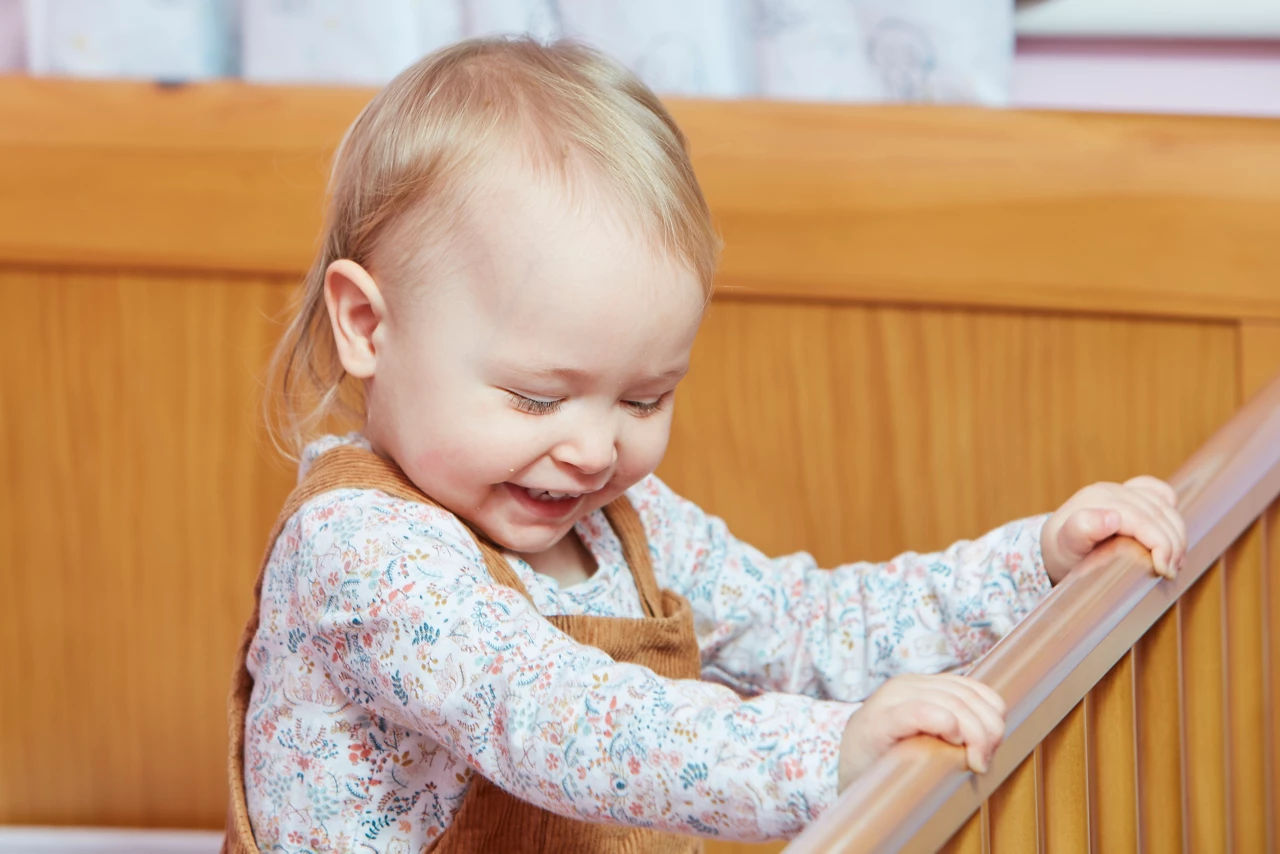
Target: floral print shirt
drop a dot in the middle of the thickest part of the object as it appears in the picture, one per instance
(389, 668)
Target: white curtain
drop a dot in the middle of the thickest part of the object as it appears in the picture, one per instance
(861, 50)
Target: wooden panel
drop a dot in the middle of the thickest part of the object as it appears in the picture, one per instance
(1207, 790)
(1246, 723)
(1158, 706)
(1113, 807)
(1259, 355)
(931, 204)
(856, 432)
(981, 208)
(971, 838)
(1066, 795)
(1015, 811)
(139, 495)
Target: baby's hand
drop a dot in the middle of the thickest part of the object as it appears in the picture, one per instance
(957, 709)
(1144, 508)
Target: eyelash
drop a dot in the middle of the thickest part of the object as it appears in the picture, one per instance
(534, 406)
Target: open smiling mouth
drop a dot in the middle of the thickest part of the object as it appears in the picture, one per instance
(548, 495)
(546, 503)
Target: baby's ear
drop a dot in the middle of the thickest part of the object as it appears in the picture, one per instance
(355, 309)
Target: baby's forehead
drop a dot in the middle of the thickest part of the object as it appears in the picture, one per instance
(513, 208)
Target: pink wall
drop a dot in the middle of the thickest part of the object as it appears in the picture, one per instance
(1223, 77)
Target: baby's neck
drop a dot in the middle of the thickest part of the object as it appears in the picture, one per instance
(568, 561)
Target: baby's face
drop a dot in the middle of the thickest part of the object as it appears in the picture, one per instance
(532, 381)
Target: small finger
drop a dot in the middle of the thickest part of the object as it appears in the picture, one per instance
(983, 699)
(1155, 486)
(979, 740)
(1179, 526)
(1087, 527)
(1166, 505)
(956, 722)
(1145, 519)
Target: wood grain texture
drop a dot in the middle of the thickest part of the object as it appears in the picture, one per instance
(1245, 605)
(1158, 706)
(139, 494)
(1259, 355)
(1112, 751)
(963, 206)
(1066, 786)
(1016, 815)
(1270, 527)
(970, 838)
(1203, 656)
(856, 432)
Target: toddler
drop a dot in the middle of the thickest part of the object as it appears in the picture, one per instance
(484, 625)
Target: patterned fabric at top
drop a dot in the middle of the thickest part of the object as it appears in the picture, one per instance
(391, 669)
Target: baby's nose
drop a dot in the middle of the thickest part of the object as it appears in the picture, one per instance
(590, 451)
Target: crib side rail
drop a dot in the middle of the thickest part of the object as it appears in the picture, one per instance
(1133, 701)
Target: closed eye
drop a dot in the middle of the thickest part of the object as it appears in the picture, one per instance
(533, 405)
(642, 408)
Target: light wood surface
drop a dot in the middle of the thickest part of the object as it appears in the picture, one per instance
(831, 422)
(130, 434)
(1270, 746)
(928, 322)
(1159, 736)
(1205, 782)
(1112, 752)
(1259, 354)
(1066, 796)
(1016, 810)
(969, 838)
(1245, 677)
(1080, 212)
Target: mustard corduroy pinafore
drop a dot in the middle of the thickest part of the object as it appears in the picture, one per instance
(489, 819)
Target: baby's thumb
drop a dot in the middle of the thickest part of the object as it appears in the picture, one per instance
(1084, 529)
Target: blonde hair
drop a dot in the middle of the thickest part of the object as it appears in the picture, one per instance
(412, 149)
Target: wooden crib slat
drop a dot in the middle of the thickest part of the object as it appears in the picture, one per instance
(1245, 731)
(1204, 739)
(1066, 801)
(1109, 710)
(970, 838)
(1158, 706)
(1270, 536)
(1015, 813)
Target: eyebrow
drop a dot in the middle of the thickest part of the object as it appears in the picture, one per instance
(573, 375)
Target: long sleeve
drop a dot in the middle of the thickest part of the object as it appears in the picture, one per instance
(784, 624)
(399, 612)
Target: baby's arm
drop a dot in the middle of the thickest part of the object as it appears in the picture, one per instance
(409, 626)
(784, 624)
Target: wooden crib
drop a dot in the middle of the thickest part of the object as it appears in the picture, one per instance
(928, 321)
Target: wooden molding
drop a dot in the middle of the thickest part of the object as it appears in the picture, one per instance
(1153, 215)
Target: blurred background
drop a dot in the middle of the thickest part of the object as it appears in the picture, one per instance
(1192, 56)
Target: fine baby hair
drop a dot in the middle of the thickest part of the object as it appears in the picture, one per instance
(409, 159)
